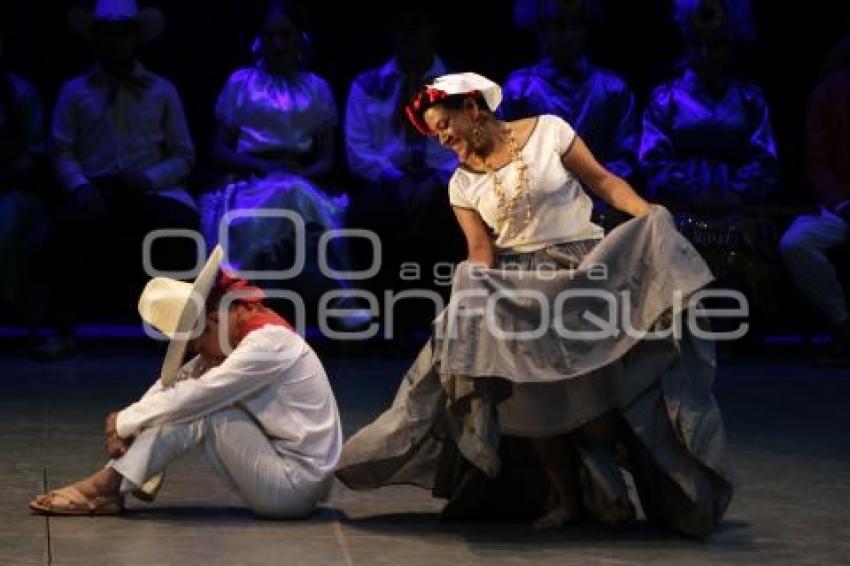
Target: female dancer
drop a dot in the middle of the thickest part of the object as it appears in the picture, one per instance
(477, 396)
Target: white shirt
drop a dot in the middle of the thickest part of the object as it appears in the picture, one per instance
(377, 149)
(102, 126)
(274, 376)
(560, 208)
(273, 112)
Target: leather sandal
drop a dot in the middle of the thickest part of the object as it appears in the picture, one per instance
(70, 501)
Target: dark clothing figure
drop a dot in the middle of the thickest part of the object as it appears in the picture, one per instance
(403, 195)
(23, 217)
(805, 245)
(121, 149)
(596, 102)
(705, 147)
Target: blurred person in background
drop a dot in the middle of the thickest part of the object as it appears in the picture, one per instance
(23, 215)
(807, 242)
(402, 194)
(564, 82)
(275, 145)
(121, 149)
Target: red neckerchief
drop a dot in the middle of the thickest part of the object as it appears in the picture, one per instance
(251, 295)
(263, 316)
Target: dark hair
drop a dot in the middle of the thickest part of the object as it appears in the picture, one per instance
(732, 17)
(293, 10)
(709, 16)
(214, 299)
(838, 59)
(411, 14)
(227, 283)
(129, 27)
(575, 10)
(429, 97)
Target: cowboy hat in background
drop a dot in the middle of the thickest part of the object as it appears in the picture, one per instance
(150, 21)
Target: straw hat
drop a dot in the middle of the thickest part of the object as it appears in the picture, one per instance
(150, 20)
(174, 307)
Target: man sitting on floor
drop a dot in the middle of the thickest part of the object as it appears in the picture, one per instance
(264, 412)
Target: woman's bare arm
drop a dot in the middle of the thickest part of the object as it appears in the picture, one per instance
(610, 188)
(478, 240)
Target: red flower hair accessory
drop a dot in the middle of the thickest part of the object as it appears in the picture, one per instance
(424, 100)
(467, 84)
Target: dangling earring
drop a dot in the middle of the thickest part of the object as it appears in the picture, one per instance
(257, 49)
(305, 49)
(477, 134)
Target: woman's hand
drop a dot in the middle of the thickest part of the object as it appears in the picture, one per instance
(642, 208)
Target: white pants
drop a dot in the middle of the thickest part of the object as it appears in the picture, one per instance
(241, 455)
(804, 248)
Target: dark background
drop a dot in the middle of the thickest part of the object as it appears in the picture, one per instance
(206, 40)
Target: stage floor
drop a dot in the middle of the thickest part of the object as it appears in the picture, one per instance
(787, 422)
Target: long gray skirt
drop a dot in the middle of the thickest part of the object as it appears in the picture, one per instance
(568, 340)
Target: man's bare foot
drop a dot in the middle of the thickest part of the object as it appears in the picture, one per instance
(71, 501)
(98, 494)
(105, 482)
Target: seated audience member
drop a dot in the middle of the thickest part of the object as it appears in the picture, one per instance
(403, 193)
(121, 149)
(275, 143)
(564, 82)
(23, 216)
(707, 143)
(805, 245)
(709, 154)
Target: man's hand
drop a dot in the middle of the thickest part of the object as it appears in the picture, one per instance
(115, 445)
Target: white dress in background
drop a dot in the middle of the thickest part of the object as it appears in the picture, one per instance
(272, 114)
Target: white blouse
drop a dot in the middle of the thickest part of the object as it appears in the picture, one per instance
(274, 113)
(274, 376)
(560, 208)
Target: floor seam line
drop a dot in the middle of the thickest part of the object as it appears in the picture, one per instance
(48, 550)
(343, 544)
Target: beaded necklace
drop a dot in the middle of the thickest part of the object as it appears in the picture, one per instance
(507, 205)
